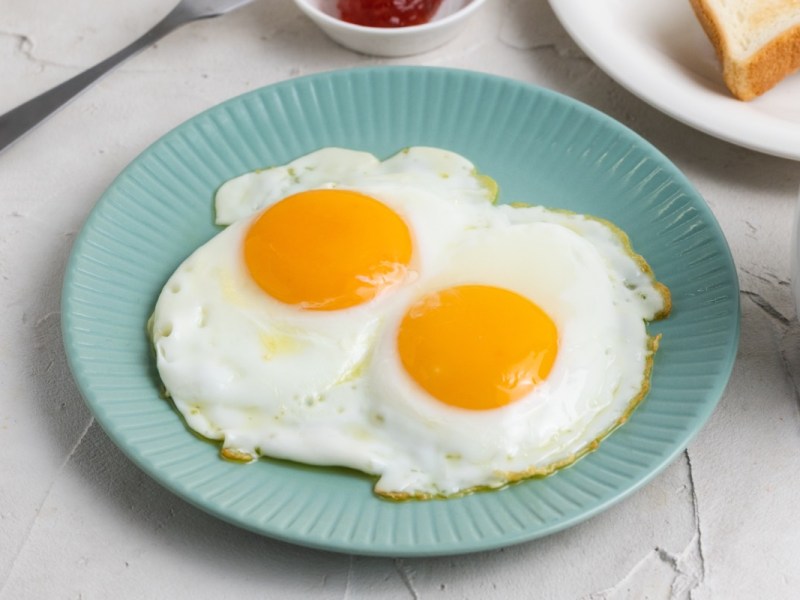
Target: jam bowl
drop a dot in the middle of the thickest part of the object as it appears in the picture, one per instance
(444, 25)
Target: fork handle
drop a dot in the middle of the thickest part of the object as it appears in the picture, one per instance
(23, 118)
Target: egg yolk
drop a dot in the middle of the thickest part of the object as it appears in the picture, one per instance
(327, 249)
(476, 346)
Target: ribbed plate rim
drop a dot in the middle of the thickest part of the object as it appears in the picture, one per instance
(73, 337)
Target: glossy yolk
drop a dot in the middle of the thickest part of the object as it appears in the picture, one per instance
(477, 347)
(327, 249)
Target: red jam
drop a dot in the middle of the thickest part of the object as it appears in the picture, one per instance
(387, 13)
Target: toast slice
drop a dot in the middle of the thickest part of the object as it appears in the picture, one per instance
(757, 41)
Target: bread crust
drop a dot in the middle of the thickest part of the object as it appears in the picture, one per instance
(761, 71)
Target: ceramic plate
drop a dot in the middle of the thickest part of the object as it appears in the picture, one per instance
(541, 147)
(658, 50)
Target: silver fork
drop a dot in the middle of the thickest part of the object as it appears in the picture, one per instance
(20, 120)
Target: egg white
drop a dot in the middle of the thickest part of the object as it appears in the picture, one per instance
(328, 388)
(448, 175)
(597, 378)
(235, 360)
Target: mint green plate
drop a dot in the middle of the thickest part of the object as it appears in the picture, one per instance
(541, 147)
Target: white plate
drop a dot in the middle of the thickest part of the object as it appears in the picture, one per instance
(658, 51)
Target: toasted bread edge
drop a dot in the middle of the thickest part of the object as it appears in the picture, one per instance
(764, 69)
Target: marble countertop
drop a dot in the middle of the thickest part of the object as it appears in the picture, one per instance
(78, 520)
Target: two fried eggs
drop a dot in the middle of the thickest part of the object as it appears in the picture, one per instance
(387, 316)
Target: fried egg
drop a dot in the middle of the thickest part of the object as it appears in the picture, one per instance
(387, 316)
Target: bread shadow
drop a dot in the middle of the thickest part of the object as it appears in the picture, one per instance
(680, 38)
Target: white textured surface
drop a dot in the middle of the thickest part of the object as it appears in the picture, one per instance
(78, 520)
